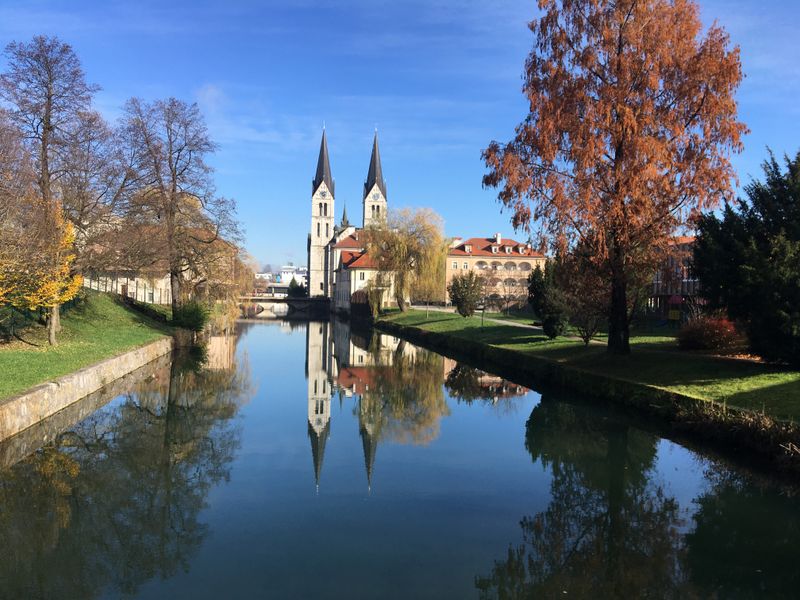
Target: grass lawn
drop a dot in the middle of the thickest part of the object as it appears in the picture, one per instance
(655, 361)
(93, 330)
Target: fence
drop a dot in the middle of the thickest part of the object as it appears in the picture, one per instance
(131, 287)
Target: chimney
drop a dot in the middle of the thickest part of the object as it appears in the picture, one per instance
(498, 238)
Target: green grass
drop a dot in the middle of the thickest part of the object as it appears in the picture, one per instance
(97, 328)
(655, 361)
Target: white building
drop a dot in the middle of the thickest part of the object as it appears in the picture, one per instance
(337, 263)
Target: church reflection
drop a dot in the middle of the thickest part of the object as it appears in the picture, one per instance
(396, 389)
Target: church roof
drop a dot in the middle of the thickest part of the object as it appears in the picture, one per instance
(350, 241)
(323, 168)
(375, 173)
(357, 260)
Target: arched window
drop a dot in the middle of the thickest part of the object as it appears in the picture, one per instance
(510, 283)
(318, 230)
(510, 266)
(496, 266)
(320, 208)
(325, 209)
(481, 264)
(327, 233)
(525, 266)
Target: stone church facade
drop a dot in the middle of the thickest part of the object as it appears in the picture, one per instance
(337, 262)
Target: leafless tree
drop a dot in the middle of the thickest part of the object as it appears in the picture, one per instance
(173, 202)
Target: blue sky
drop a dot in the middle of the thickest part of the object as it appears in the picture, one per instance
(440, 79)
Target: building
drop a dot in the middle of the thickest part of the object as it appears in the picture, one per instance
(337, 251)
(674, 285)
(504, 263)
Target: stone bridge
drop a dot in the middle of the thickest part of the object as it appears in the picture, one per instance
(267, 307)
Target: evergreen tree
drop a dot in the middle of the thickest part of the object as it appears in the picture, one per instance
(466, 292)
(748, 261)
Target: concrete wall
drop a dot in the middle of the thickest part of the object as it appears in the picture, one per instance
(25, 410)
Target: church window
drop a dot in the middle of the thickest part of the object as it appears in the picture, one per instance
(325, 209)
(326, 230)
(318, 226)
(378, 210)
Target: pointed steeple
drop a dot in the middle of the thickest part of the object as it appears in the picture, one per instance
(345, 223)
(323, 167)
(375, 173)
(318, 441)
(370, 443)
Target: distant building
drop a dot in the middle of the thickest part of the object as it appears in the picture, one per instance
(289, 272)
(674, 285)
(504, 263)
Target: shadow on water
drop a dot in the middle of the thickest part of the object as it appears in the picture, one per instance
(114, 500)
(612, 529)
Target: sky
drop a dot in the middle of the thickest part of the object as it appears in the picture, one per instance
(439, 79)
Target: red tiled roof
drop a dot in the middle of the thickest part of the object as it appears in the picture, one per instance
(357, 260)
(483, 247)
(683, 239)
(351, 241)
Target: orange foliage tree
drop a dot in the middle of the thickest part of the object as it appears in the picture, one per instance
(631, 126)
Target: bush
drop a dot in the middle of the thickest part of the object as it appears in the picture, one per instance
(466, 292)
(554, 325)
(709, 333)
(192, 316)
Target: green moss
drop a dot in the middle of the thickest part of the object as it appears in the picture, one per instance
(92, 330)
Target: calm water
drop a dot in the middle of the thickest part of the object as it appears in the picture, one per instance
(307, 461)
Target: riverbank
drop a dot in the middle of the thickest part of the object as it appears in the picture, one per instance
(96, 328)
(752, 406)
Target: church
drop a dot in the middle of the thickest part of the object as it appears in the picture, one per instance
(338, 265)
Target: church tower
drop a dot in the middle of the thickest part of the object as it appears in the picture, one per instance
(322, 222)
(374, 189)
(319, 391)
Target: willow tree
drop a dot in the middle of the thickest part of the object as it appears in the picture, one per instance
(408, 249)
(631, 125)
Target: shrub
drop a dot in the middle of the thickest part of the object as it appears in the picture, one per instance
(554, 324)
(192, 316)
(466, 292)
(709, 333)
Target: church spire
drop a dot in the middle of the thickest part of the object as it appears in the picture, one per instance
(345, 223)
(318, 440)
(370, 443)
(323, 167)
(375, 173)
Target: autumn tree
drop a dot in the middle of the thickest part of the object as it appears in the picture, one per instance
(405, 248)
(174, 206)
(46, 94)
(631, 124)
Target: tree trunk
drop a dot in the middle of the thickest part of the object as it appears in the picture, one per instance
(618, 331)
(56, 316)
(175, 288)
(52, 322)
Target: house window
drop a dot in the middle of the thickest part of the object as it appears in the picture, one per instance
(455, 265)
(361, 276)
(466, 266)
(494, 249)
(508, 249)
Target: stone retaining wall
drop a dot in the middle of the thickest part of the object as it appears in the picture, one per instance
(25, 410)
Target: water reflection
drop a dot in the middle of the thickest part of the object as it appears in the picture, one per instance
(613, 530)
(395, 387)
(113, 500)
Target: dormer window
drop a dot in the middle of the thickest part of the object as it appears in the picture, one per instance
(494, 249)
(521, 249)
(508, 249)
(468, 248)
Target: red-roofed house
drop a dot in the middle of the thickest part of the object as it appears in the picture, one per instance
(504, 263)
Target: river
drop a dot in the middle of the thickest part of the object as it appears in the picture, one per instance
(306, 460)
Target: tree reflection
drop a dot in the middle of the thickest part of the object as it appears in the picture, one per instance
(405, 400)
(609, 531)
(744, 538)
(115, 501)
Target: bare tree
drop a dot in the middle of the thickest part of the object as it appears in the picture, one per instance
(173, 201)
